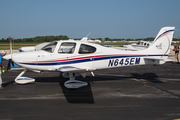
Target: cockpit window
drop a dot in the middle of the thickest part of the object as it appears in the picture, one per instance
(50, 47)
(84, 49)
(67, 47)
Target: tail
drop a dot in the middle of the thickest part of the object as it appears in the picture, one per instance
(160, 48)
(162, 42)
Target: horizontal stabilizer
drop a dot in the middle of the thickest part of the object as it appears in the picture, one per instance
(150, 58)
(169, 60)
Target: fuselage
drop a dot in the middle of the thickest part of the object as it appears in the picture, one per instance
(77, 53)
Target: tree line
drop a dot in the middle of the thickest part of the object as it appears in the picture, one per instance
(138, 39)
(64, 37)
(38, 39)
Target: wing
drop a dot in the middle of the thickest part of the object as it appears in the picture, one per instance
(74, 69)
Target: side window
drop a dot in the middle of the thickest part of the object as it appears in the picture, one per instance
(138, 43)
(50, 47)
(84, 49)
(67, 47)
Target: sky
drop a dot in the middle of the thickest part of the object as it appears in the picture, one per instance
(77, 18)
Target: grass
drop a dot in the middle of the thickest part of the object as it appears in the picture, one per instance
(116, 43)
(35, 43)
(178, 44)
(8, 47)
(18, 45)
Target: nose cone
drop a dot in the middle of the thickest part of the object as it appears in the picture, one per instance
(24, 57)
(7, 57)
(17, 58)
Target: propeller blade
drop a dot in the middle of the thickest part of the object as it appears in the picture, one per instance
(9, 65)
(12, 63)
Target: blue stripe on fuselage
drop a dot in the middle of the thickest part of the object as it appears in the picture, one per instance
(88, 60)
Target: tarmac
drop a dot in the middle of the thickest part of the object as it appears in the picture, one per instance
(127, 93)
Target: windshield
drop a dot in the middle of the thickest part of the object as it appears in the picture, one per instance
(50, 47)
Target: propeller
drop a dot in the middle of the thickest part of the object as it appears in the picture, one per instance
(9, 64)
(10, 61)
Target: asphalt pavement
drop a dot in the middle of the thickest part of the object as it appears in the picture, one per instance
(127, 93)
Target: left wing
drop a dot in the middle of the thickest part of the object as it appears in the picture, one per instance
(74, 69)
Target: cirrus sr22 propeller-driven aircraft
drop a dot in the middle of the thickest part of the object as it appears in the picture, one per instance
(74, 58)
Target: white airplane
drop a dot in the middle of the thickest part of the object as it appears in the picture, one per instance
(140, 45)
(32, 48)
(74, 58)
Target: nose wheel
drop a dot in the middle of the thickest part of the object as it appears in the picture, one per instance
(23, 80)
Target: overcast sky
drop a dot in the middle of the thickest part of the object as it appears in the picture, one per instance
(76, 18)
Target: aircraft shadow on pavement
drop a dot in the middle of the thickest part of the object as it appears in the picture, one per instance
(151, 77)
(84, 94)
(80, 95)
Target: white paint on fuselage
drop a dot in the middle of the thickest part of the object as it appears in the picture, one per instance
(42, 56)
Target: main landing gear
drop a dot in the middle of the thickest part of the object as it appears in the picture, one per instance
(72, 83)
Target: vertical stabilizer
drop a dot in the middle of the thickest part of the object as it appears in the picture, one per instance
(162, 42)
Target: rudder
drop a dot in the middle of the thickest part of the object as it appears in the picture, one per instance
(162, 42)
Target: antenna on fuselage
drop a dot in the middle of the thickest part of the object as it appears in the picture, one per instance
(84, 39)
(88, 34)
